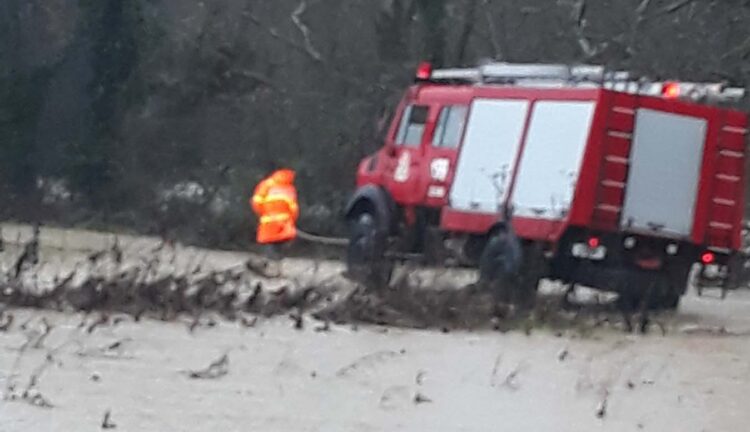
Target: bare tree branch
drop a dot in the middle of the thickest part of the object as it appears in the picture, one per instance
(273, 32)
(316, 58)
(640, 12)
(466, 31)
(579, 15)
(674, 7)
(743, 49)
(297, 20)
(493, 37)
(641, 9)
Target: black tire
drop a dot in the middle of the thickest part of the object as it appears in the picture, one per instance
(501, 257)
(500, 268)
(670, 302)
(665, 293)
(365, 255)
(674, 285)
(533, 268)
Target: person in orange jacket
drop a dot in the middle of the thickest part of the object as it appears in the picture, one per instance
(275, 203)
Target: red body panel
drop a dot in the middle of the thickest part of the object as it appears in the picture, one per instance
(720, 202)
(600, 190)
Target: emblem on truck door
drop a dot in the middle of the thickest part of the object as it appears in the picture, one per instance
(401, 174)
(439, 169)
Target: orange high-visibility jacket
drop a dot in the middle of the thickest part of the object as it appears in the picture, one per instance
(275, 203)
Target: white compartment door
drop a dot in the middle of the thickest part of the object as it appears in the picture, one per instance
(488, 154)
(551, 160)
(665, 165)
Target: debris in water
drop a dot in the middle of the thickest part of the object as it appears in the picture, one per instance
(194, 324)
(250, 302)
(46, 330)
(299, 322)
(215, 370)
(495, 368)
(419, 398)
(248, 322)
(710, 331)
(117, 320)
(510, 380)
(107, 421)
(96, 377)
(103, 320)
(326, 326)
(115, 345)
(368, 360)
(30, 255)
(419, 379)
(601, 410)
(25, 324)
(34, 397)
(96, 256)
(7, 321)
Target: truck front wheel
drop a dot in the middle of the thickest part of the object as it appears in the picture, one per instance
(365, 255)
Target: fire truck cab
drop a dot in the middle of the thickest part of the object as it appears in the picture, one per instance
(600, 176)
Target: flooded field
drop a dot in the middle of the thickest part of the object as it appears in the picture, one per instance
(323, 367)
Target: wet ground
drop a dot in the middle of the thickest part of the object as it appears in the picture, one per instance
(570, 371)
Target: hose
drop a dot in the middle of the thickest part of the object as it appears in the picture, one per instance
(328, 241)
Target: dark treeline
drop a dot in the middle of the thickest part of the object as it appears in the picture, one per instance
(161, 115)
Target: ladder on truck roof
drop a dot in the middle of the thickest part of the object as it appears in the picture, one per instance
(584, 75)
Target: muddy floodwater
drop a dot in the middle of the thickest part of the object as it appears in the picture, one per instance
(282, 374)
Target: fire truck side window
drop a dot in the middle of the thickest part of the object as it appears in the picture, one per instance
(450, 127)
(412, 126)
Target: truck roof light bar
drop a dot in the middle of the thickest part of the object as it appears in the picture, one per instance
(583, 75)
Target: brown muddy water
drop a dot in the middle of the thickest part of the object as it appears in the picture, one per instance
(572, 372)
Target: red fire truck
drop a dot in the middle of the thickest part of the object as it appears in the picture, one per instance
(606, 177)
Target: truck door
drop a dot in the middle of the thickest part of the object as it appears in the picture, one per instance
(405, 155)
(486, 160)
(664, 174)
(440, 155)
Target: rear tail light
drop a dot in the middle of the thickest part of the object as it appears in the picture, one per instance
(708, 258)
(591, 249)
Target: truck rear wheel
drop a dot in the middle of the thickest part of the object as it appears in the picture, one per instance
(674, 286)
(533, 268)
(508, 270)
(663, 292)
(365, 255)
